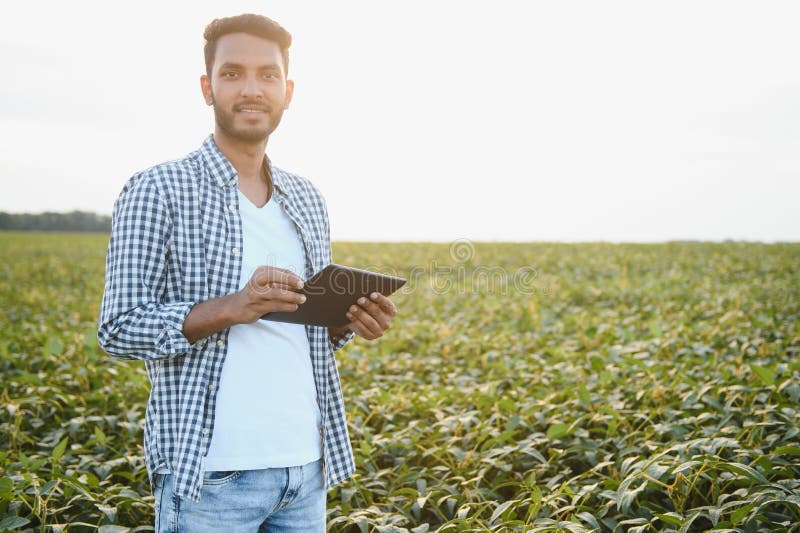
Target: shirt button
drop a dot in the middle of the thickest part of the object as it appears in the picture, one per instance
(212, 387)
(221, 343)
(206, 431)
(235, 251)
(232, 207)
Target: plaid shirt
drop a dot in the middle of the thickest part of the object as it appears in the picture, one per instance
(176, 240)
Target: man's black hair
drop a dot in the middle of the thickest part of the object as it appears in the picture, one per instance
(257, 25)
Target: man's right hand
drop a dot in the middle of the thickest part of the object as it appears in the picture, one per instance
(269, 289)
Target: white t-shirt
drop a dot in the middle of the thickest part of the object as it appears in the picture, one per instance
(266, 409)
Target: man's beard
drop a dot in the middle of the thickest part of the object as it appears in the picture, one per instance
(225, 121)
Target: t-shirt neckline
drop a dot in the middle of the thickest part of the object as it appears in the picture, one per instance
(244, 198)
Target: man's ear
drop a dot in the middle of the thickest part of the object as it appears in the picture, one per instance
(205, 86)
(289, 92)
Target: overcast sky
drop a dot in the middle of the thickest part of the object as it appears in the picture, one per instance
(437, 120)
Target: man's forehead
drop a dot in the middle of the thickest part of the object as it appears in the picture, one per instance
(246, 49)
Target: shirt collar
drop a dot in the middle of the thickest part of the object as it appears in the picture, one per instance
(223, 173)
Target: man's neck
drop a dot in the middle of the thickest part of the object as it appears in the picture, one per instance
(246, 158)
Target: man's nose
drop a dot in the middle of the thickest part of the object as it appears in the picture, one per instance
(251, 87)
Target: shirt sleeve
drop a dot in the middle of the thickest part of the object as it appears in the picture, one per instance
(135, 321)
(349, 335)
(342, 341)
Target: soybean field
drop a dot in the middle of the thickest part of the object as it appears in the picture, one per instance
(522, 387)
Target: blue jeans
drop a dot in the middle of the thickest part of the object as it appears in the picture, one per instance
(264, 501)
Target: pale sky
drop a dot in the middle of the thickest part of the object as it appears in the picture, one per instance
(437, 120)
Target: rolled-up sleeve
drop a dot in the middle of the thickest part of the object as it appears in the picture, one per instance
(342, 341)
(339, 344)
(135, 322)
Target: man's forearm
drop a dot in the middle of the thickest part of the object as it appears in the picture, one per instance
(208, 317)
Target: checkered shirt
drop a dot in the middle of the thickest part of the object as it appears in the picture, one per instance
(176, 240)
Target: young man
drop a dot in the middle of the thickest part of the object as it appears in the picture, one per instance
(245, 426)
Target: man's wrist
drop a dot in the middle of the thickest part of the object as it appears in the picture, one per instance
(231, 309)
(210, 316)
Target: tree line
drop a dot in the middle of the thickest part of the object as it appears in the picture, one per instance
(54, 221)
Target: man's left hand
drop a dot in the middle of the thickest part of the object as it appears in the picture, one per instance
(370, 317)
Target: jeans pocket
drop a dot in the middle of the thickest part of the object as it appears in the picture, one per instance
(220, 477)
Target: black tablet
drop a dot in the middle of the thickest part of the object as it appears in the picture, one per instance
(330, 293)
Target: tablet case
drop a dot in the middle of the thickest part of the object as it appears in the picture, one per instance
(330, 293)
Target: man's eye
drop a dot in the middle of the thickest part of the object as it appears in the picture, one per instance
(269, 76)
(229, 74)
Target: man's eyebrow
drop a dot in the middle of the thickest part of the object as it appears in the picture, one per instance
(271, 66)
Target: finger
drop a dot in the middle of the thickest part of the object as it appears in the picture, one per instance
(384, 302)
(381, 317)
(285, 306)
(364, 317)
(360, 329)
(265, 277)
(280, 275)
(283, 295)
(262, 286)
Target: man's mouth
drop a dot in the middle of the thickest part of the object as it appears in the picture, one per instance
(250, 109)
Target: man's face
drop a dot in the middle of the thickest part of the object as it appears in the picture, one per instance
(248, 87)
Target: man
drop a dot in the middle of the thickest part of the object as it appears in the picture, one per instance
(245, 426)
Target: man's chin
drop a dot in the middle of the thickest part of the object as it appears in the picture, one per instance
(253, 136)
(248, 135)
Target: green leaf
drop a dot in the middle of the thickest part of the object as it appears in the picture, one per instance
(686, 466)
(743, 470)
(47, 487)
(583, 394)
(498, 512)
(113, 529)
(655, 329)
(99, 436)
(556, 431)
(54, 346)
(58, 451)
(90, 340)
(688, 523)
(13, 522)
(673, 519)
(787, 450)
(740, 513)
(627, 496)
(590, 519)
(634, 522)
(6, 485)
(765, 374)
